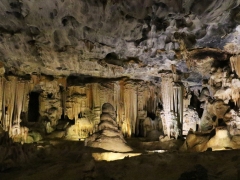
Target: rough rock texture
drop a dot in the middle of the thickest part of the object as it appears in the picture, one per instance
(111, 38)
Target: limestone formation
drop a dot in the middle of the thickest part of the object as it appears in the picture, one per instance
(191, 120)
(82, 129)
(166, 67)
(109, 137)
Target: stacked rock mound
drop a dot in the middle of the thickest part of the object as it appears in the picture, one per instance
(108, 137)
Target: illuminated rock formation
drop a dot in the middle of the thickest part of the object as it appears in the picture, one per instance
(62, 60)
(219, 122)
(173, 105)
(82, 129)
(109, 137)
(191, 120)
(220, 140)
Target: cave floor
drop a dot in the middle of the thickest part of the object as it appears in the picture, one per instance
(58, 159)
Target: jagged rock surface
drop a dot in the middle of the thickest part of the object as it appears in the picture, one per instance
(110, 38)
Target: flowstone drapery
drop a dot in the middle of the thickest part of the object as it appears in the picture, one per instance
(172, 99)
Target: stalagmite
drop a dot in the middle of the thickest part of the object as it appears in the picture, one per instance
(108, 137)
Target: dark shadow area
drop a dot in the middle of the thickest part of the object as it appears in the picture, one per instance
(33, 107)
(196, 104)
(151, 115)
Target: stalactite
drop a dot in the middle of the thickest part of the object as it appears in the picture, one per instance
(69, 102)
(235, 64)
(175, 99)
(19, 102)
(96, 98)
(178, 101)
(151, 101)
(126, 128)
(62, 81)
(96, 106)
(64, 99)
(141, 97)
(1, 101)
(172, 97)
(107, 93)
(4, 121)
(120, 110)
(235, 95)
(117, 100)
(78, 101)
(89, 94)
(10, 90)
(167, 92)
(26, 96)
(130, 101)
(180, 98)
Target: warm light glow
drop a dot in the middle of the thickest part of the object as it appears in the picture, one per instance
(111, 156)
(157, 151)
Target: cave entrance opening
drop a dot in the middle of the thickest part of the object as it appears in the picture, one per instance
(33, 107)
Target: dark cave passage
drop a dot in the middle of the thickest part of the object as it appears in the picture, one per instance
(33, 107)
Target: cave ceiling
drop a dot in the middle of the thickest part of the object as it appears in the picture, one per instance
(118, 38)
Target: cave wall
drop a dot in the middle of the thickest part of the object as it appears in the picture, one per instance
(73, 104)
(150, 60)
(77, 105)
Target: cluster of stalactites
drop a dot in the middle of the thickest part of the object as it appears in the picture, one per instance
(76, 101)
(172, 99)
(13, 101)
(128, 98)
(139, 99)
